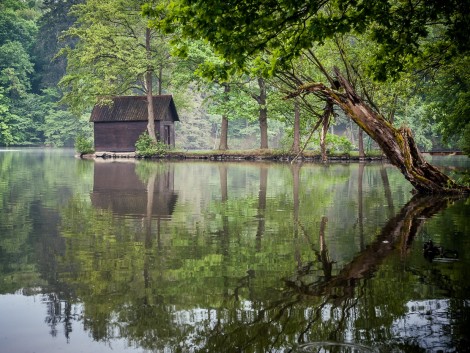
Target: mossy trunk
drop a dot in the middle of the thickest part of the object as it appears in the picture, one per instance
(397, 144)
(324, 129)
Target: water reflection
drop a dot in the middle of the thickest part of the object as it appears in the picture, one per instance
(222, 257)
(118, 187)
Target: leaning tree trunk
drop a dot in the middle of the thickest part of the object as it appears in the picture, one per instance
(324, 129)
(397, 144)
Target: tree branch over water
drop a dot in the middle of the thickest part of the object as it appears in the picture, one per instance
(397, 144)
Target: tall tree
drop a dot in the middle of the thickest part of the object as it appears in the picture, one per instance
(116, 54)
(54, 21)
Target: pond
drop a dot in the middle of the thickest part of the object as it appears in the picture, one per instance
(149, 256)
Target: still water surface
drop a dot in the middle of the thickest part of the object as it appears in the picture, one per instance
(138, 256)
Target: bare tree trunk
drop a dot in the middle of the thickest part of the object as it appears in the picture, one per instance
(296, 144)
(148, 87)
(160, 79)
(223, 144)
(360, 140)
(263, 113)
(397, 144)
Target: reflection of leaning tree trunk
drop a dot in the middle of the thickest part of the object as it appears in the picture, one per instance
(398, 232)
(397, 144)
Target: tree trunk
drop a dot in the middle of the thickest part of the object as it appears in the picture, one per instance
(223, 144)
(360, 141)
(397, 144)
(148, 87)
(263, 113)
(324, 129)
(296, 144)
(160, 79)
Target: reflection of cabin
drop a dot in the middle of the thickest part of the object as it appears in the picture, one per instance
(118, 126)
(118, 188)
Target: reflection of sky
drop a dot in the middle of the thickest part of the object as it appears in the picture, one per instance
(23, 328)
(427, 323)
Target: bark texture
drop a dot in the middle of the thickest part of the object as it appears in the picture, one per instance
(148, 87)
(263, 113)
(397, 144)
(324, 129)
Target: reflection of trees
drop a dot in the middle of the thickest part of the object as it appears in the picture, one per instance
(397, 233)
(360, 204)
(34, 184)
(60, 311)
(300, 315)
(205, 288)
(263, 183)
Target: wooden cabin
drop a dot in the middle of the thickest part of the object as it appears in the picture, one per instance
(117, 126)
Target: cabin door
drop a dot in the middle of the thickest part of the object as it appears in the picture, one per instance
(167, 134)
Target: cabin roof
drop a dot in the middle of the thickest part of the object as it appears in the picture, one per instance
(134, 108)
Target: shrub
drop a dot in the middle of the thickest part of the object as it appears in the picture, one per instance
(83, 145)
(338, 144)
(146, 147)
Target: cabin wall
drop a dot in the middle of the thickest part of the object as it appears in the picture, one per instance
(121, 136)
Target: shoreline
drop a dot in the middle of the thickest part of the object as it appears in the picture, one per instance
(233, 156)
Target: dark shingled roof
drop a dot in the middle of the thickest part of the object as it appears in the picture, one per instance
(134, 108)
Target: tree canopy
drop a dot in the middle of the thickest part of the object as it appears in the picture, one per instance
(242, 29)
(408, 59)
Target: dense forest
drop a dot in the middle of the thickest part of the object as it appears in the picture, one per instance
(230, 67)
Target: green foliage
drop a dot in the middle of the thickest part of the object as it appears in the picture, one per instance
(465, 140)
(84, 145)
(446, 104)
(334, 144)
(6, 118)
(146, 147)
(53, 22)
(286, 28)
(111, 55)
(15, 26)
(15, 69)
